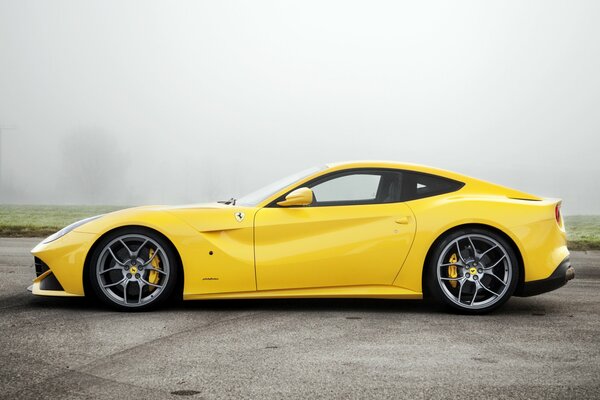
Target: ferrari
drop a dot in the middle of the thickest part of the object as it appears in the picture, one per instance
(345, 230)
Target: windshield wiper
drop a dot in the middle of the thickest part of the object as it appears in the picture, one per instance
(230, 201)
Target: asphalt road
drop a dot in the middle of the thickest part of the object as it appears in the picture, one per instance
(541, 347)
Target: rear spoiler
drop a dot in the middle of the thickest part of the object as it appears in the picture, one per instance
(523, 198)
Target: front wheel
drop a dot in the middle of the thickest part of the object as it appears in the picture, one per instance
(473, 271)
(133, 269)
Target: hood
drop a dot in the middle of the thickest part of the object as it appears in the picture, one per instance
(206, 217)
(210, 217)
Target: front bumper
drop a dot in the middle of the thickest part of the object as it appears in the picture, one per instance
(561, 275)
(60, 265)
(45, 283)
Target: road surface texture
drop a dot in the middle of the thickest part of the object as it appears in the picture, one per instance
(540, 347)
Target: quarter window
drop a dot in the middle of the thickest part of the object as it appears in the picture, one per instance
(417, 185)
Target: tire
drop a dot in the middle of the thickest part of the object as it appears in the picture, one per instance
(472, 282)
(133, 269)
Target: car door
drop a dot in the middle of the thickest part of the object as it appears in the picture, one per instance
(356, 232)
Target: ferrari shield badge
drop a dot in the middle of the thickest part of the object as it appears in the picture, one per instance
(239, 216)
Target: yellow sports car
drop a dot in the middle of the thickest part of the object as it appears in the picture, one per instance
(356, 229)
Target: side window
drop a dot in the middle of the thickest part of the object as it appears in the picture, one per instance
(417, 185)
(376, 186)
(348, 189)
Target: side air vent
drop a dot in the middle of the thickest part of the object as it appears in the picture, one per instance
(49, 282)
(40, 266)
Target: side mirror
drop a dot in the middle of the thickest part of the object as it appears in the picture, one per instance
(300, 197)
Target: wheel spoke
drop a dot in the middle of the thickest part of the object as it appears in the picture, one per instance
(500, 280)
(140, 286)
(459, 253)
(160, 271)
(110, 269)
(125, 284)
(462, 283)
(451, 279)
(137, 252)
(115, 284)
(497, 262)
(473, 247)
(487, 251)
(474, 295)
(460, 264)
(151, 258)
(115, 257)
(150, 284)
(131, 254)
(494, 293)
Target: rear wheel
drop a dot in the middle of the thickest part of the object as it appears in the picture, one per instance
(133, 269)
(473, 271)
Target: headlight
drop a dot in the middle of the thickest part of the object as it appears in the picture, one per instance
(68, 229)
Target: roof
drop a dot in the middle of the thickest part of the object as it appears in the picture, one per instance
(396, 165)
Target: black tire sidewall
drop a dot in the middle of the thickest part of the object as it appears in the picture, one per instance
(167, 291)
(433, 286)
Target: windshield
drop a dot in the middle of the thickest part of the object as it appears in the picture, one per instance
(252, 199)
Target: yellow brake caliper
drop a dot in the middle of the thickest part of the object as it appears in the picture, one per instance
(452, 269)
(153, 275)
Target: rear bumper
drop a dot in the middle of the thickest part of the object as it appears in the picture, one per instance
(561, 275)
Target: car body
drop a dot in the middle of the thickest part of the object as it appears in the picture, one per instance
(369, 230)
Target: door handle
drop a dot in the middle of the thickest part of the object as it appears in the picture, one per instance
(402, 220)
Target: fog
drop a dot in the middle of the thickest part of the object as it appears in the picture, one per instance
(126, 102)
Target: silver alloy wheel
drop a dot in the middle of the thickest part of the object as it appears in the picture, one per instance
(474, 271)
(132, 270)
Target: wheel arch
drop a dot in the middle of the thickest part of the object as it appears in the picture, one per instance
(498, 231)
(87, 290)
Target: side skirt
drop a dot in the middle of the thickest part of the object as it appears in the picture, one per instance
(367, 291)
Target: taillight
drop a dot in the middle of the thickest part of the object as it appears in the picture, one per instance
(557, 213)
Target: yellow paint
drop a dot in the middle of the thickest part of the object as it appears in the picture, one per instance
(53, 293)
(310, 247)
(367, 291)
(339, 251)
(300, 197)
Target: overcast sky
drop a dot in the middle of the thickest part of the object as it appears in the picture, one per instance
(137, 102)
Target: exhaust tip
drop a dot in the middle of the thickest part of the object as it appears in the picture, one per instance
(570, 274)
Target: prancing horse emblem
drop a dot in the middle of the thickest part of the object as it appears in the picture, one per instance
(239, 216)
